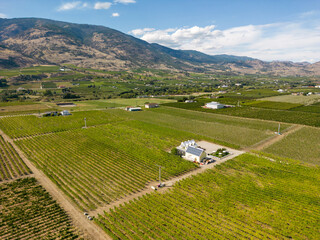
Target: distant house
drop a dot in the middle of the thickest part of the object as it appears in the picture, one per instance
(188, 101)
(214, 105)
(65, 113)
(151, 105)
(133, 109)
(61, 86)
(195, 154)
(280, 91)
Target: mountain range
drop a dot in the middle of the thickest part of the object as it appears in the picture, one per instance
(33, 41)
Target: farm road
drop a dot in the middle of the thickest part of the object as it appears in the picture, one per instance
(88, 228)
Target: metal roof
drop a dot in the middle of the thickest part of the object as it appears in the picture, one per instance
(194, 151)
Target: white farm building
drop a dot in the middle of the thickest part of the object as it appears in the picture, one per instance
(195, 154)
(186, 144)
(214, 105)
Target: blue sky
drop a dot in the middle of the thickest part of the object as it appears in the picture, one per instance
(264, 29)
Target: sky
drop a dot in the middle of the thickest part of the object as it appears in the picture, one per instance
(285, 30)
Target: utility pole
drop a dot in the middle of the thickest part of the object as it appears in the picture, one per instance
(85, 122)
(160, 185)
(279, 129)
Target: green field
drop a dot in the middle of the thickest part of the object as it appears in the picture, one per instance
(229, 131)
(245, 198)
(27, 211)
(11, 165)
(303, 145)
(98, 165)
(49, 85)
(273, 105)
(295, 99)
(32, 125)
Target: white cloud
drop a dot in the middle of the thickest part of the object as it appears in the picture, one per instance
(297, 41)
(2, 15)
(124, 1)
(115, 14)
(72, 5)
(102, 5)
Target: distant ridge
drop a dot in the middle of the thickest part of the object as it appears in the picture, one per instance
(29, 41)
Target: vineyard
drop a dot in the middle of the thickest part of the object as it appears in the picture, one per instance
(11, 165)
(31, 125)
(228, 131)
(246, 198)
(96, 166)
(303, 145)
(29, 212)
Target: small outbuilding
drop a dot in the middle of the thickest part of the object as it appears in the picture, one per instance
(65, 113)
(195, 154)
(214, 105)
(133, 109)
(151, 105)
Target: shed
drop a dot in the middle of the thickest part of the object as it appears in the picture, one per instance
(195, 154)
(214, 105)
(133, 109)
(151, 105)
(65, 113)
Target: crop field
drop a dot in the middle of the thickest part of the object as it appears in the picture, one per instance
(27, 211)
(228, 131)
(254, 93)
(288, 116)
(245, 198)
(96, 166)
(303, 145)
(25, 126)
(22, 108)
(48, 85)
(11, 165)
(294, 99)
(273, 105)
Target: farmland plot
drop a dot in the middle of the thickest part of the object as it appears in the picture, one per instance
(229, 131)
(302, 145)
(245, 198)
(11, 165)
(27, 211)
(96, 166)
(32, 125)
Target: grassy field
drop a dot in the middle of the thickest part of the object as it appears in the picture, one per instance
(245, 198)
(295, 99)
(229, 131)
(27, 211)
(11, 165)
(302, 145)
(96, 166)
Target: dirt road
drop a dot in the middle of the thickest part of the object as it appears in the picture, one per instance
(88, 228)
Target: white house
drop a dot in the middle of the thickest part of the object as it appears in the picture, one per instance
(214, 105)
(65, 113)
(195, 154)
